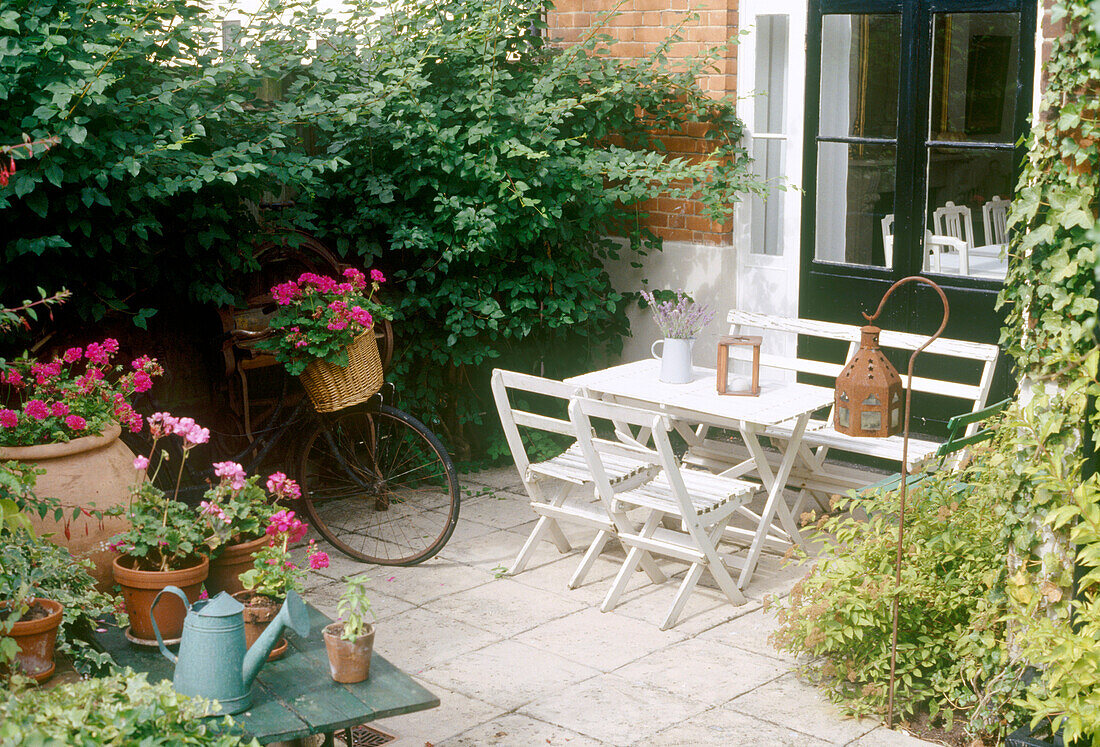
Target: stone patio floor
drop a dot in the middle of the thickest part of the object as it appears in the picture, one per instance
(524, 660)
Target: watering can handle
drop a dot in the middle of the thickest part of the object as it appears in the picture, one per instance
(160, 641)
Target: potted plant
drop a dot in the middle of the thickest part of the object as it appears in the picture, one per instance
(166, 544)
(237, 511)
(350, 641)
(680, 320)
(65, 417)
(273, 574)
(324, 336)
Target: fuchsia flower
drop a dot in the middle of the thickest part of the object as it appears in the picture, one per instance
(59, 409)
(142, 381)
(12, 376)
(36, 408)
(76, 422)
(357, 278)
(337, 324)
(284, 522)
(161, 424)
(72, 355)
(9, 418)
(204, 594)
(110, 345)
(97, 353)
(43, 372)
(284, 293)
(141, 462)
(361, 316)
(318, 560)
(377, 276)
(213, 509)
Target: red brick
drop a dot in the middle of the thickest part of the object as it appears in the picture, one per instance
(678, 234)
(650, 34)
(651, 18)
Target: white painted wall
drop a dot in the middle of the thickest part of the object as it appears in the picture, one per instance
(707, 273)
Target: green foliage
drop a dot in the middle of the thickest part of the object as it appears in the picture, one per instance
(123, 709)
(43, 569)
(353, 607)
(952, 659)
(489, 176)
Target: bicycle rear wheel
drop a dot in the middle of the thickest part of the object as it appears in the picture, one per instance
(379, 486)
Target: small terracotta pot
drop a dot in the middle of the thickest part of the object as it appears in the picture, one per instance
(36, 639)
(348, 661)
(256, 619)
(86, 470)
(226, 569)
(140, 588)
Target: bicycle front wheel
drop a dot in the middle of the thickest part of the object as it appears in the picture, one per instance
(379, 486)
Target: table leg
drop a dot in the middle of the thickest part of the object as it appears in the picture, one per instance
(774, 484)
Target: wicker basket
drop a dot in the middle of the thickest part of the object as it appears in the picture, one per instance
(333, 388)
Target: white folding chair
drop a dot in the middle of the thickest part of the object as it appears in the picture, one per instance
(561, 488)
(703, 503)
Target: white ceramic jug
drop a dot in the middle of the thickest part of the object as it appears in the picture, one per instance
(675, 359)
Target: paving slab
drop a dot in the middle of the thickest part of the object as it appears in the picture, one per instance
(499, 510)
(420, 584)
(751, 632)
(505, 607)
(515, 729)
(722, 727)
(705, 608)
(883, 737)
(325, 598)
(603, 640)
(613, 709)
(488, 550)
(703, 672)
(420, 638)
(791, 702)
(498, 478)
(509, 674)
(455, 714)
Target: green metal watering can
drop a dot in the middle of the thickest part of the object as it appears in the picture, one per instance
(212, 661)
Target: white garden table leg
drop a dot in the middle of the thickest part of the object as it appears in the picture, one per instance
(774, 484)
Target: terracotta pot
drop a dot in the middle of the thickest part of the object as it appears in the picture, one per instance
(226, 569)
(139, 588)
(348, 661)
(90, 470)
(256, 619)
(36, 639)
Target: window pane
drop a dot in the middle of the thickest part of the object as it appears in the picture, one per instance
(968, 193)
(768, 105)
(975, 60)
(855, 194)
(860, 58)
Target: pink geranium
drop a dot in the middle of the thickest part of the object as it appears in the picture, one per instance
(36, 409)
(377, 276)
(232, 473)
(9, 418)
(59, 409)
(141, 462)
(76, 422)
(72, 355)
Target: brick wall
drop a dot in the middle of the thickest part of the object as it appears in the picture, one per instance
(1049, 31)
(638, 28)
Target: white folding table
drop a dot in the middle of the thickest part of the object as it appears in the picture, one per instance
(698, 403)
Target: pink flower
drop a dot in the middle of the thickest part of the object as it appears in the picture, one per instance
(358, 280)
(9, 418)
(284, 293)
(76, 422)
(318, 560)
(192, 433)
(283, 487)
(377, 276)
(43, 372)
(110, 345)
(96, 353)
(59, 409)
(12, 376)
(361, 316)
(337, 324)
(161, 424)
(141, 462)
(231, 471)
(36, 409)
(203, 594)
(72, 355)
(118, 547)
(135, 422)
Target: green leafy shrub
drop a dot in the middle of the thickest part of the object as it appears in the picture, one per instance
(123, 709)
(32, 564)
(951, 657)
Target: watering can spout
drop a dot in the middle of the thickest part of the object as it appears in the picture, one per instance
(293, 615)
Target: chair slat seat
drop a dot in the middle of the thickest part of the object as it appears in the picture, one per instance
(707, 492)
(570, 466)
(821, 433)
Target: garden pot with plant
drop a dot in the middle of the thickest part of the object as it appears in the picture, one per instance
(680, 320)
(237, 510)
(350, 641)
(167, 543)
(67, 423)
(324, 336)
(35, 633)
(273, 573)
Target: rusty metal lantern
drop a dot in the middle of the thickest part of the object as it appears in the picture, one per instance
(868, 399)
(869, 375)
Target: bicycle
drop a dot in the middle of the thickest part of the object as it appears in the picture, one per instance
(375, 481)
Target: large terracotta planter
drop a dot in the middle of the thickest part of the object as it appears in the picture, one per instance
(257, 616)
(226, 569)
(348, 661)
(36, 639)
(90, 470)
(140, 588)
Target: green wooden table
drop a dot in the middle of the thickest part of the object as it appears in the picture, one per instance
(295, 696)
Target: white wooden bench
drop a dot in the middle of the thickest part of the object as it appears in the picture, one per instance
(813, 472)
